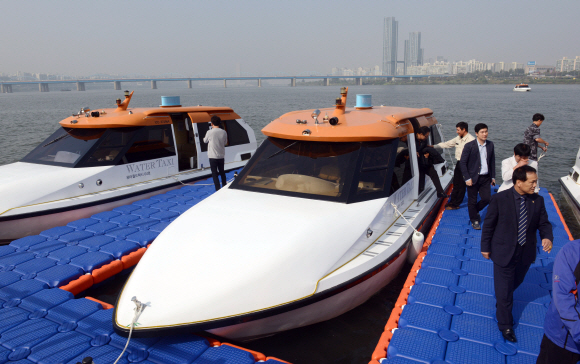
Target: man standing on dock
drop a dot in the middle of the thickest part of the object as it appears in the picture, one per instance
(478, 169)
(462, 138)
(216, 150)
(532, 137)
(509, 239)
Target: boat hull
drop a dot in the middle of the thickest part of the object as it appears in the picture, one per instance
(319, 311)
(571, 200)
(18, 226)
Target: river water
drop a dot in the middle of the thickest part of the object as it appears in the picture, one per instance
(27, 118)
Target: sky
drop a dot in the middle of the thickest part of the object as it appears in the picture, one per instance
(272, 37)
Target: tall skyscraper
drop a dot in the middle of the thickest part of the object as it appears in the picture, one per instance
(390, 46)
(413, 51)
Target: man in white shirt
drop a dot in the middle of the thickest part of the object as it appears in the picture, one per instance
(458, 143)
(509, 165)
(216, 150)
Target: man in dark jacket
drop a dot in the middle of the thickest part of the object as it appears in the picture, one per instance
(561, 342)
(509, 239)
(478, 169)
(427, 157)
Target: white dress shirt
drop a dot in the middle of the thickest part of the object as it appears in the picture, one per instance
(457, 142)
(483, 155)
(507, 171)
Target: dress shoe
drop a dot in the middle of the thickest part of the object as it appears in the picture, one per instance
(509, 335)
(442, 195)
(451, 207)
(476, 225)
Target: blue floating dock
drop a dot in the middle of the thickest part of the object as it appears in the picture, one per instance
(42, 324)
(450, 312)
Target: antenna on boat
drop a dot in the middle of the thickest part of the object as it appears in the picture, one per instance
(122, 106)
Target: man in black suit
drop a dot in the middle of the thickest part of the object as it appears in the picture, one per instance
(509, 239)
(478, 168)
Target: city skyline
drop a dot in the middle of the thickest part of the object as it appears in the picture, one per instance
(258, 37)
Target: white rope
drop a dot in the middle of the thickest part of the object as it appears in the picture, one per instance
(139, 307)
(400, 214)
(543, 154)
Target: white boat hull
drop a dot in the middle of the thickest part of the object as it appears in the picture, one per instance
(323, 310)
(14, 229)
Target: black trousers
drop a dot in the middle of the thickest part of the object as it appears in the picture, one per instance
(506, 280)
(483, 187)
(551, 353)
(432, 173)
(459, 187)
(217, 167)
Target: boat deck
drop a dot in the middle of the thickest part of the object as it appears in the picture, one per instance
(41, 321)
(446, 310)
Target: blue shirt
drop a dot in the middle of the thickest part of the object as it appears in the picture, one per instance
(483, 156)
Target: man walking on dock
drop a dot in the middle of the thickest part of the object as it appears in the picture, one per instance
(216, 150)
(508, 238)
(532, 138)
(462, 138)
(478, 169)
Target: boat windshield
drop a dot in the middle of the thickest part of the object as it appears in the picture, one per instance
(333, 171)
(69, 147)
(64, 147)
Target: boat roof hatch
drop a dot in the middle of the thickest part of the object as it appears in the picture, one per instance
(348, 124)
(123, 116)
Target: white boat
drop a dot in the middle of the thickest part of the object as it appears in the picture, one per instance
(571, 188)
(98, 160)
(522, 87)
(306, 232)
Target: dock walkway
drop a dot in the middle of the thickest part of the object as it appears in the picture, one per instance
(41, 321)
(446, 310)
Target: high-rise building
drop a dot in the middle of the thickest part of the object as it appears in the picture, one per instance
(413, 51)
(407, 57)
(390, 46)
(416, 53)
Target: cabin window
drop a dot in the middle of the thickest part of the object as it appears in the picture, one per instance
(435, 135)
(318, 170)
(373, 176)
(202, 129)
(65, 147)
(149, 143)
(236, 133)
(402, 171)
(130, 145)
(108, 149)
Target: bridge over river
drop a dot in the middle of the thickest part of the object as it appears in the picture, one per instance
(43, 86)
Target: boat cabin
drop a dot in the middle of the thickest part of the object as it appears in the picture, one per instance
(340, 154)
(113, 137)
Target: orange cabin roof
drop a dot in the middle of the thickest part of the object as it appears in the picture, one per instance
(122, 116)
(354, 125)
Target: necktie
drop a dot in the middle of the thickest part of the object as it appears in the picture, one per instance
(523, 222)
